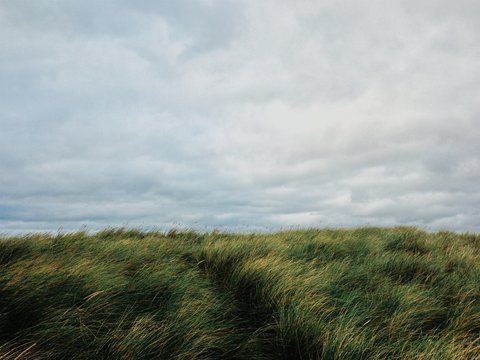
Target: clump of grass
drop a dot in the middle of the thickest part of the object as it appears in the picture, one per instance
(366, 293)
(12, 250)
(410, 241)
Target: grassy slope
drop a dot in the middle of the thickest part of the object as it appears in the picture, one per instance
(329, 294)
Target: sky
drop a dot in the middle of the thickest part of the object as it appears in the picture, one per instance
(246, 115)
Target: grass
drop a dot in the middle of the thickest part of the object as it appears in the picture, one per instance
(366, 293)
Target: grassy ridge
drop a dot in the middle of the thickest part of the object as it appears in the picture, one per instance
(367, 293)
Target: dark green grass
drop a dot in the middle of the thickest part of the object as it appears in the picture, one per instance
(367, 293)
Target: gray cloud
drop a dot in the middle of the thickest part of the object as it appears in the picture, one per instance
(239, 115)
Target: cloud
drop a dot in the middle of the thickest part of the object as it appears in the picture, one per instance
(240, 115)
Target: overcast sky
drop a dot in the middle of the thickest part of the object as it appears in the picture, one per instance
(243, 115)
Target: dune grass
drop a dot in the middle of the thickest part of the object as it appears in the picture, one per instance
(367, 293)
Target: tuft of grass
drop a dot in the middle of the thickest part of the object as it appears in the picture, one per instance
(365, 293)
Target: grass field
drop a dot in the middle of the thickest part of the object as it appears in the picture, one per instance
(366, 293)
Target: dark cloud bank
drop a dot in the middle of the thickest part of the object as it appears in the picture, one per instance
(245, 115)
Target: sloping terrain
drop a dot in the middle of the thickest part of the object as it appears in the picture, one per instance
(367, 293)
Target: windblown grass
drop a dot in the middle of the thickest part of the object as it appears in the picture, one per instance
(367, 293)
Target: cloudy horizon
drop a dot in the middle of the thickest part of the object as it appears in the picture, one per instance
(239, 115)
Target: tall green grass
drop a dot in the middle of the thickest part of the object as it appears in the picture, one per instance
(367, 293)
